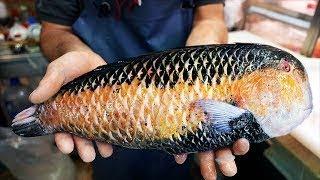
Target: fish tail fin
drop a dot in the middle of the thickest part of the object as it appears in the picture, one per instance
(27, 124)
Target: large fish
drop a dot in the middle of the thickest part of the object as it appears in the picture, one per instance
(181, 100)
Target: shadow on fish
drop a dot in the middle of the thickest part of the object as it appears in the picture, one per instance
(181, 100)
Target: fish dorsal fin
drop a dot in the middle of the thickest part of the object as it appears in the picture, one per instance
(220, 114)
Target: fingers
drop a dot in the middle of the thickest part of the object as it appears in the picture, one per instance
(85, 149)
(180, 158)
(64, 142)
(207, 166)
(241, 146)
(225, 160)
(104, 149)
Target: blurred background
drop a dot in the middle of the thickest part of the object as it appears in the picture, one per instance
(292, 25)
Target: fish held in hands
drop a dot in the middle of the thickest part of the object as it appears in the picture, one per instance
(181, 100)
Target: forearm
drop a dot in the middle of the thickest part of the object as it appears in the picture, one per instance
(208, 32)
(57, 40)
(208, 26)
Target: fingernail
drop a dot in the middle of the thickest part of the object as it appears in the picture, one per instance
(32, 94)
(89, 157)
(238, 153)
(108, 154)
(180, 158)
(229, 169)
(225, 159)
(241, 147)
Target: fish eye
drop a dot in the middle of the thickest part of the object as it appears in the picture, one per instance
(285, 65)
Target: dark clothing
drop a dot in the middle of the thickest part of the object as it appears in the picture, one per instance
(66, 12)
(154, 26)
(128, 164)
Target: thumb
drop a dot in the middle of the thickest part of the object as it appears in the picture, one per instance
(49, 85)
(63, 70)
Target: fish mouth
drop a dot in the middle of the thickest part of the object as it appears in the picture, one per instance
(308, 108)
(306, 112)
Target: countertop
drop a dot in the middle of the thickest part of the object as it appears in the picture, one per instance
(22, 65)
(308, 133)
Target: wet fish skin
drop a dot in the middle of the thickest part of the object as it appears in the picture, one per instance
(155, 101)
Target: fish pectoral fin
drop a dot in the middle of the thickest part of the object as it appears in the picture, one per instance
(221, 114)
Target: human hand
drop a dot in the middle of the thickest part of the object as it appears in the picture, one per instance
(209, 28)
(224, 159)
(59, 72)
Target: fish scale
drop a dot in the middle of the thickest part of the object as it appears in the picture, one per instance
(153, 101)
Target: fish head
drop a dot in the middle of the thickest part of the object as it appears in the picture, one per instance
(278, 94)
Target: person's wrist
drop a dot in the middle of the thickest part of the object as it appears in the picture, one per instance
(207, 32)
(84, 53)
